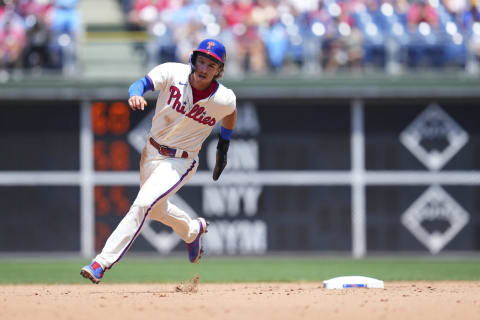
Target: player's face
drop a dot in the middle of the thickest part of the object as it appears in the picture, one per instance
(205, 70)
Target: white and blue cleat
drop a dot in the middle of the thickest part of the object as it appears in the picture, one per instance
(195, 249)
(94, 272)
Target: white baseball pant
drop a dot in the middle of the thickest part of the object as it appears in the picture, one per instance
(160, 178)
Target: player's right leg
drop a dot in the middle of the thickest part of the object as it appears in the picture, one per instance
(94, 272)
(117, 244)
(165, 179)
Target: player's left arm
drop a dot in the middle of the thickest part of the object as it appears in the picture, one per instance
(228, 124)
(229, 121)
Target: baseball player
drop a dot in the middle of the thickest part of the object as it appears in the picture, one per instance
(191, 101)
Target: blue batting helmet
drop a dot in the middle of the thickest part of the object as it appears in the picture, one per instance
(212, 48)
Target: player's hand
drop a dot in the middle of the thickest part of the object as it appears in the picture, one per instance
(221, 161)
(137, 102)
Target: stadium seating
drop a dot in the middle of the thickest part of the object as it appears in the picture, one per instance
(261, 36)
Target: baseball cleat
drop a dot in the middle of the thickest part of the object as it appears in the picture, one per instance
(195, 250)
(93, 272)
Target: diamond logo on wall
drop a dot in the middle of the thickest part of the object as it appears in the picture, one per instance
(435, 218)
(434, 137)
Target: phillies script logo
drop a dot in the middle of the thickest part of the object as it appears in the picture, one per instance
(197, 113)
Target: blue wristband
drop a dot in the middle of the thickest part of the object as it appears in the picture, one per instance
(225, 133)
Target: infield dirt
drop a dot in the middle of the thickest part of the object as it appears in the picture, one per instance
(399, 300)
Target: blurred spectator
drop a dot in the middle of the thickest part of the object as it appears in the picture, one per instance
(296, 33)
(455, 8)
(249, 47)
(355, 51)
(401, 6)
(169, 22)
(311, 28)
(12, 39)
(144, 12)
(471, 28)
(424, 48)
(185, 20)
(36, 53)
(369, 19)
(219, 28)
(274, 35)
(421, 11)
(65, 28)
(470, 16)
(37, 8)
(342, 41)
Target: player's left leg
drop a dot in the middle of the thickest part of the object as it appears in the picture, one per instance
(177, 219)
(190, 230)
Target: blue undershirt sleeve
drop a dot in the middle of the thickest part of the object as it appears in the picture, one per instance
(139, 87)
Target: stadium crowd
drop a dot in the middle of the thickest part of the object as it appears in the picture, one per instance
(38, 34)
(264, 35)
(274, 35)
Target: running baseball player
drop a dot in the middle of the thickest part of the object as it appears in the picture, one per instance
(191, 101)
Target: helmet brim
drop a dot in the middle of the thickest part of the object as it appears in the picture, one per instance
(210, 54)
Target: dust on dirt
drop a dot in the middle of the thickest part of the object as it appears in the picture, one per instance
(302, 300)
(190, 286)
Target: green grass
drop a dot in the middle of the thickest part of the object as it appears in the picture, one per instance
(170, 270)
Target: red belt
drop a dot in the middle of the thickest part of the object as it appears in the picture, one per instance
(166, 151)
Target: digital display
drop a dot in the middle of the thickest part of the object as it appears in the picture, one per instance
(110, 124)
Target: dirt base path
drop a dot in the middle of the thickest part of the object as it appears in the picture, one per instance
(399, 300)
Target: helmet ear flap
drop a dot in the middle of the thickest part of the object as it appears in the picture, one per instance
(193, 58)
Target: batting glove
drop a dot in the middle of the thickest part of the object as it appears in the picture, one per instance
(221, 162)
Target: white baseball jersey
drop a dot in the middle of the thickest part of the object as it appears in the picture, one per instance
(178, 123)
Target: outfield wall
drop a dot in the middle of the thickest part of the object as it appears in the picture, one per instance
(360, 173)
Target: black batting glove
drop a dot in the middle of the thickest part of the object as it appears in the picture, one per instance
(221, 161)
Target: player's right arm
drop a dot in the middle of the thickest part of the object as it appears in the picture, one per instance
(157, 79)
(136, 91)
